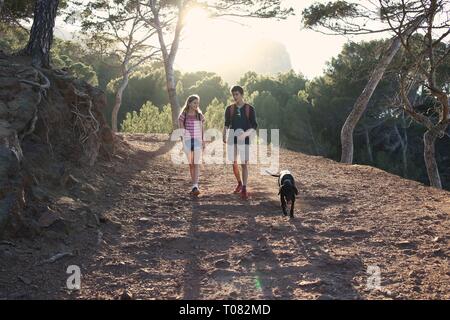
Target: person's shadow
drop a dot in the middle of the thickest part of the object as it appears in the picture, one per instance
(265, 268)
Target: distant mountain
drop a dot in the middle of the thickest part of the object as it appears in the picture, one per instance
(262, 56)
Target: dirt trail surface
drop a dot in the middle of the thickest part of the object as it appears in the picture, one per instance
(143, 237)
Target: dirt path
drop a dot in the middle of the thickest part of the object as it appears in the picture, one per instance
(155, 242)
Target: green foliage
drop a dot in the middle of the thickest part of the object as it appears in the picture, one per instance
(16, 10)
(70, 55)
(282, 87)
(279, 105)
(267, 109)
(296, 129)
(214, 115)
(84, 72)
(319, 13)
(77, 69)
(75, 58)
(146, 84)
(118, 30)
(18, 13)
(253, 8)
(189, 79)
(12, 38)
(309, 113)
(209, 86)
(148, 120)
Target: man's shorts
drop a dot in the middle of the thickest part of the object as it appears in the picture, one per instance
(241, 149)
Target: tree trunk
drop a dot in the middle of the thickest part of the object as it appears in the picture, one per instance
(118, 100)
(405, 147)
(369, 147)
(316, 149)
(429, 139)
(172, 92)
(405, 160)
(41, 35)
(1, 4)
(362, 101)
(169, 59)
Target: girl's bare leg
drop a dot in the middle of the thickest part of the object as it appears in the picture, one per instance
(191, 166)
(196, 174)
(197, 159)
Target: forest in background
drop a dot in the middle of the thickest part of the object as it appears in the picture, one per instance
(309, 112)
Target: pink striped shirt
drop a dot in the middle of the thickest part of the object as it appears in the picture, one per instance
(192, 125)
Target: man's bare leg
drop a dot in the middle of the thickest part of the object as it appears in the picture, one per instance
(244, 193)
(236, 172)
(244, 173)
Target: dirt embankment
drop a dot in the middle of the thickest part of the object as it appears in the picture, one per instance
(135, 232)
(50, 123)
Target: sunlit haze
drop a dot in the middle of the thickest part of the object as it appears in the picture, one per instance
(222, 45)
(232, 46)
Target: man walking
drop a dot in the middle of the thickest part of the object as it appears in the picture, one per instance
(240, 124)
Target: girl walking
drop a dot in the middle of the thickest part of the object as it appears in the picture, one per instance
(192, 121)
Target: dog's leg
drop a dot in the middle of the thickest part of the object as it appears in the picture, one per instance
(292, 208)
(283, 204)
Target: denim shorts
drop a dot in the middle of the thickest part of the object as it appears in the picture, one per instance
(191, 144)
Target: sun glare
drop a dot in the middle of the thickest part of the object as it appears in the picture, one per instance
(197, 17)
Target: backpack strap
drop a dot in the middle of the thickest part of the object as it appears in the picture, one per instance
(199, 117)
(246, 110)
(232, 111)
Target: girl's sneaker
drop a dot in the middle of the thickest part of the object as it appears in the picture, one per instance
(195, 192)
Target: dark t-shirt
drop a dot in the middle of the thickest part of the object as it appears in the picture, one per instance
(240, 121)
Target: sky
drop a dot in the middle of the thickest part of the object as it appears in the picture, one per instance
(309, 50)
(206, 41)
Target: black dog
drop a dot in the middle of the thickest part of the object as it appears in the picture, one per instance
(287, 191)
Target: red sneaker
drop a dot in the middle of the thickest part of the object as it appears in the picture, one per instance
(238, 188)
(195, 192)
(244, 194)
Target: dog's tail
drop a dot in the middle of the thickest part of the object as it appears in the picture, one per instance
(273, 175)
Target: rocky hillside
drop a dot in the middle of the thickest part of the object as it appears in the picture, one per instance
(49, 124)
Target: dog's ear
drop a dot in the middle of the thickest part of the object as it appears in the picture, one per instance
(296, 190)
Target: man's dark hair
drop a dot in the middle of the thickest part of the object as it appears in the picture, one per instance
(237, 89)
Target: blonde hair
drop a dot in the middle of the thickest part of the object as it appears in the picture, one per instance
(188, 101)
